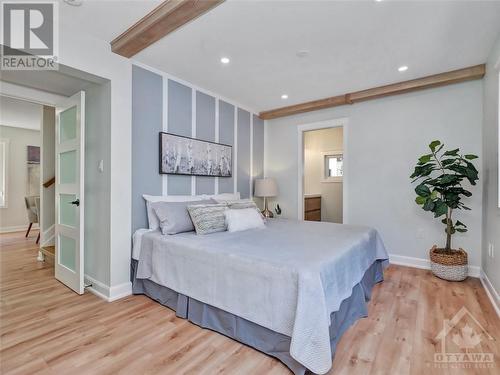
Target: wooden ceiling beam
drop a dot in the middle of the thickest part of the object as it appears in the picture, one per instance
(161, 21)
(442, 79)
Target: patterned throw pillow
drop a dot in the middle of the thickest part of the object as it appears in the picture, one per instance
(208, 218)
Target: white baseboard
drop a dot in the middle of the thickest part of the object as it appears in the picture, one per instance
(47, 238)
(17, 228)
(96, 287)
(402, 260)
(107, 293)
(491, 292)
(120, 291)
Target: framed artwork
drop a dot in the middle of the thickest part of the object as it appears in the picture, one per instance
(193, 157)
(33, 154)
(33, 166)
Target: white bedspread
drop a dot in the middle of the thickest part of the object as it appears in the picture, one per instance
(288, 277)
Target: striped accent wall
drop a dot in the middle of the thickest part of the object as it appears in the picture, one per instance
(160, 103)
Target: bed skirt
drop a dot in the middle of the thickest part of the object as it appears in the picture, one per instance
(263, 339)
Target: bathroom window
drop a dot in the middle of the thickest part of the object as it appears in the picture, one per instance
(333, 166)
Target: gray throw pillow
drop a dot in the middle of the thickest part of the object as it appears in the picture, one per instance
(208, 218)
(245, 203)
(174, 217)
(242, 204)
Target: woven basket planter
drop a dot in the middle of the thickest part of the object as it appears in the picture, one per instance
(451, 267)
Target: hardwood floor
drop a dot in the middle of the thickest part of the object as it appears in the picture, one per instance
(47, 329)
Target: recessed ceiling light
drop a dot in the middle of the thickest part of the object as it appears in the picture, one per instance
(403, 68)
(284, 96)
(225, 60)
(75, 3)
(302, 53)
(378, 1)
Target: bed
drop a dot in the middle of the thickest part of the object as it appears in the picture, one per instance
(289, 290)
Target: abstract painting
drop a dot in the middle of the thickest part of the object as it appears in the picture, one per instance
(189, 156)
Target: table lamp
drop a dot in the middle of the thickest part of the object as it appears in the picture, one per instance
(266, 188)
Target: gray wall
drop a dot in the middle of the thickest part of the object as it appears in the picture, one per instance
(226, 136)
(190, 113)
(384, 139)
(491, 212)
(97, 184)
(14, 217)
(243, 153)
(147, 100)
(179, 119)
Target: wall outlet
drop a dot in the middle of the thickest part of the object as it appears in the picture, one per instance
(491, 250)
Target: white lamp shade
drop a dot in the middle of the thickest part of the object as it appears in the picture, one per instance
(266, 187)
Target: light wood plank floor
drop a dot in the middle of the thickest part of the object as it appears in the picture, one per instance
(47, 329)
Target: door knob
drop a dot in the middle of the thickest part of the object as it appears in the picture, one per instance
(76, 202)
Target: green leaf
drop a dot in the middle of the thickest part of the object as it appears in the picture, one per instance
(420, 200)
(440, 208)
(452, 152)
(422, 190)
(448, 179)
(461, 230)
(446, 162)
(434, 144)
(434, 194)
(423, 170)
(471, 156)
(460, 224)
(428, 205)
(425, 159)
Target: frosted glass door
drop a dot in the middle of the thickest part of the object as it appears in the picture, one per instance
(70, 136)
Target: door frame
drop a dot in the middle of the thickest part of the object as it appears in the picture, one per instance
(332, 123)
(42, 98)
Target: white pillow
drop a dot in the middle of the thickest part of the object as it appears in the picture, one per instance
(154, 222)
(243, 219)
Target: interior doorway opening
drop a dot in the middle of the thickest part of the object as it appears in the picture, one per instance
(74, 160)
(322, 171)
(323, 174)
(20, 167)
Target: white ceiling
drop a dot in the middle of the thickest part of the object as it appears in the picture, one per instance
(20, 114)
(352, 45)
(105, 19)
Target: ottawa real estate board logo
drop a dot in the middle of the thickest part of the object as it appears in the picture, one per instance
(464, 343)
(29, 35)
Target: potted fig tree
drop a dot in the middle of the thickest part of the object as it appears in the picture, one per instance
(441, 176)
